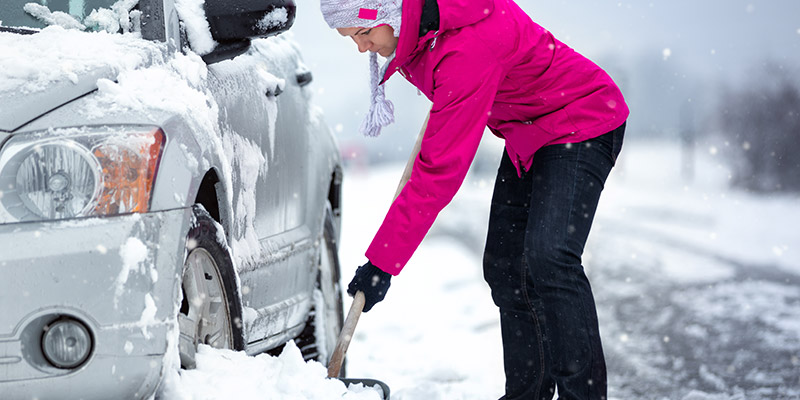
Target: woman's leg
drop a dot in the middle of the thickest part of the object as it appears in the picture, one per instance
(566, 185)
(538, 226)
(506, 272)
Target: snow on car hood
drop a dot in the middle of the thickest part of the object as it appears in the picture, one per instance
(42, 71)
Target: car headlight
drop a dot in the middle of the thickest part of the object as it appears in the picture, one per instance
(72, 173)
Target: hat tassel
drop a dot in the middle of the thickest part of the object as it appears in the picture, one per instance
(381, 110)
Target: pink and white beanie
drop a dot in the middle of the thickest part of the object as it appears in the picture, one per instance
(368, 14)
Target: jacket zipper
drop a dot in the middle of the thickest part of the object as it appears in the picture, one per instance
(433, 43)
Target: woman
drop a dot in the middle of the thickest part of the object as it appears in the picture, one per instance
(485, 63)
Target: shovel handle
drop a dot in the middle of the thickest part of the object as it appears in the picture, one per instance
(411, 158)
(337, 358)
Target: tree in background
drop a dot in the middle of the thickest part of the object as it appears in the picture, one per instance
(761, 122)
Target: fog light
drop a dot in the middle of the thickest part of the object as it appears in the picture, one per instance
(66, 343)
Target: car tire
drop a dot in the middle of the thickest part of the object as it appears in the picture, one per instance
(318, 338)
(211, 308)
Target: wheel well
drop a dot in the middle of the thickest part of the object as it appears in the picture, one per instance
(207, 195)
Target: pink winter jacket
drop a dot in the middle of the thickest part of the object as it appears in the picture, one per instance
(488, 64)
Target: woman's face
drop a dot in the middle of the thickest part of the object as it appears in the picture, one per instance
(379, 39)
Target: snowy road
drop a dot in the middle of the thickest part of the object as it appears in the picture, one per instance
(735, 336)
(698, 286)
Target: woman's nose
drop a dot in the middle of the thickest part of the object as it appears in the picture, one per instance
(363, 45)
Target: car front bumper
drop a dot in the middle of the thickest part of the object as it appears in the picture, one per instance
(119, 276)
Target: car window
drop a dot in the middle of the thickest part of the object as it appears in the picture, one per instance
(67, 13)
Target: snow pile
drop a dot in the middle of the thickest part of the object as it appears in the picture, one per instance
(32, 62)
(55, 18)
(118, 18)
(226, 374)
(276, 17)
(177, 87)
(194, 20)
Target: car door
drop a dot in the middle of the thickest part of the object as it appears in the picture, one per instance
(288, 178)
(293, 177)
(266, 141)
(246, 108)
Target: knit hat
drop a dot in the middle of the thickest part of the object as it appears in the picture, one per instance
(368, 14)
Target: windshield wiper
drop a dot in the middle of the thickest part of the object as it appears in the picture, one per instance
(21, 31)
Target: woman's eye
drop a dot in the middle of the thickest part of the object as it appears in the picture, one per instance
(365, 33)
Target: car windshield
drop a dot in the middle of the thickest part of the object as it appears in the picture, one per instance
(42, 13)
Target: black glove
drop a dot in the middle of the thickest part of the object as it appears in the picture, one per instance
(372, 281)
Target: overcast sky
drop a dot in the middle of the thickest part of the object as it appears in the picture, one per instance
(661, 52)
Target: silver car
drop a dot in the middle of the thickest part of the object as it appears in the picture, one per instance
(136, 221)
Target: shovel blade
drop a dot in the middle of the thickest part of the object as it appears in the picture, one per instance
(369, 383)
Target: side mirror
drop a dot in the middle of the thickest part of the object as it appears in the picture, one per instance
(237, 20)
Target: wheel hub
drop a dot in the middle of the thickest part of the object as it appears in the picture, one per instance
(204, 315)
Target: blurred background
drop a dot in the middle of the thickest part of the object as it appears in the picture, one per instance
(715, 75)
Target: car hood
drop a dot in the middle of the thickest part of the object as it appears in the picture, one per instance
(19, 108)
(45, 70)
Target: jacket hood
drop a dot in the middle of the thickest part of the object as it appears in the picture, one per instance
(453, 14)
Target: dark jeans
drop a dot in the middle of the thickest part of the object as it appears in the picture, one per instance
(538, 227)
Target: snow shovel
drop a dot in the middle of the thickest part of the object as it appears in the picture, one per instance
(337, 358)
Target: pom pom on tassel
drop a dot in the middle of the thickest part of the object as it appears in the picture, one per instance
(381, 113)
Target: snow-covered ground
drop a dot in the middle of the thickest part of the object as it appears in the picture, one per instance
(697, 287)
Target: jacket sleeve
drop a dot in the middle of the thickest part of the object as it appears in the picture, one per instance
(465, 85)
